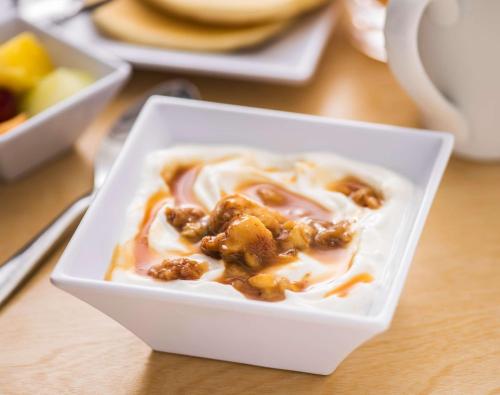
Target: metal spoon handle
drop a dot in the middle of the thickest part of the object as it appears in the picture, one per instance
(86, 8)
(94, 5)
(15, 269)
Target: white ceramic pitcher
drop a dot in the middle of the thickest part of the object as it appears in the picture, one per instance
(446, 54)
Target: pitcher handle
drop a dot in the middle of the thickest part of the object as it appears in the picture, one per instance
(401, 37)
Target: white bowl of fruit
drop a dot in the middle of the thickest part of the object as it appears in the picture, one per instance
(50, 90)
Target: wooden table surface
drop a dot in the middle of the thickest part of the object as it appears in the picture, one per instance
(445, 337)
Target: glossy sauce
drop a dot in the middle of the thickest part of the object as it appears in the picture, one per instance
(143, 255)
(343, 290)
(294, 206)
(181, 185)
(337, 262)
(117, 252)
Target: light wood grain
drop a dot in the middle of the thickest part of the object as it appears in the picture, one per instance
(445, 337)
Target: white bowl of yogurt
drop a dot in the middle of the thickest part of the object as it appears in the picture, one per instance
(215, 293)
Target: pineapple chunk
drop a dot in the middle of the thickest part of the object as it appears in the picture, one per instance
(23, 62)
(58, 85)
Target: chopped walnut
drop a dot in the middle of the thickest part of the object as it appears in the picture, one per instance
(233, 206)
(366, 197)
(270, 196)
(178, 217)
(248, 237)
(301, 235)
(178, 269)
(190, 221)
(360, 192)
(249, 242)
(330, 235)
(296, 236)
(210, 245)
(195, 231)
(225, 211)
(246, 241)
(272, 288)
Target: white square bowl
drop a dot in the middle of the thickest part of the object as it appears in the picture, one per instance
(246, 331)
(55, 129)
(290, 58)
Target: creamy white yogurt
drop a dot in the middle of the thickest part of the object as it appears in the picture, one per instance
(227, 167)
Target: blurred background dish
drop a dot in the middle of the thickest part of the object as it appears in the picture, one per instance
(236, 13)
(366, 26)
(290, 57)
(137, 22)
(52, 89)
(221, 25)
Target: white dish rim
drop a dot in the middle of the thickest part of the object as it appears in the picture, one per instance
(381, 320)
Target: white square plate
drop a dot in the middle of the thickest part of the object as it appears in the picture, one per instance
(253, 332)
(290, 58)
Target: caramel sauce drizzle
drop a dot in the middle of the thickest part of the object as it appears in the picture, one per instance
(143, 254)
(117, 251)
(343, 290)
(293, 206)
(360, 192)
(338, 262)
(181, 185)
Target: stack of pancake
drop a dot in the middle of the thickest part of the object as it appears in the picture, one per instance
(199, 25)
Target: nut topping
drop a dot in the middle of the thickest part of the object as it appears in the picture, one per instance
(178, 269)
(360, 192)
(249, 237)
(190, 221)
(178, 217)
